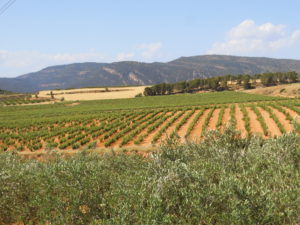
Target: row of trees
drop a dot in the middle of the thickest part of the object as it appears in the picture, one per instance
(221, 83)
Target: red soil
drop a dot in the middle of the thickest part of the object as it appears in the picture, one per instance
(182, 131)
(148, 139)
(240, 124)
(292, 113)
(144, 131)
(213, 120)
(226, 118)
(255, 126)
(281, 117)
(273, 129)
(196, 132)
(171, 128)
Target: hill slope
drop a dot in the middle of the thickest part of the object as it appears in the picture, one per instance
(136, 73)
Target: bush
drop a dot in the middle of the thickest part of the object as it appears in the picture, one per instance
(92, 145)
(223, 180)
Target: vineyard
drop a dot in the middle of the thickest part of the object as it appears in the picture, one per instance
(20, 99)
(97, 124)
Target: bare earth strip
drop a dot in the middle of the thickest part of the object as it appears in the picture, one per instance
(292, 113)
(273, 129)
(182, 131)
(170, 129)
(281, 117)
(255, 126)
(213, 120)
(148, 139)
(240, 124)
(226, 118)
(196, 132)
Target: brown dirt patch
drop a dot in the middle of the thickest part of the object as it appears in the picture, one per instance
(240, 124)
(273, 129)
(118, 142)
(144, 131)
(182, 131)
(213, 120)
(73, 104)
(282, 118)
(147, 140)
(226, 118)
(255, 126)
(292, 113)
(171, 128)
(196, 132)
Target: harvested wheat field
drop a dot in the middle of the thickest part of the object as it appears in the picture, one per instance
(84, 94)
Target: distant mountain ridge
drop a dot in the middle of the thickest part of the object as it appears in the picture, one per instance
(137, 73)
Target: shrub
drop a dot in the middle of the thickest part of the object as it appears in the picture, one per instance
(92, 145)
(222, 180)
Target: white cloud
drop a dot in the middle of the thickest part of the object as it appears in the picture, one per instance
(149, 50)
(249, 38)
(125, 56)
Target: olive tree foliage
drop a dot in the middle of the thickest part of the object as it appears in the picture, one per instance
(223, 179)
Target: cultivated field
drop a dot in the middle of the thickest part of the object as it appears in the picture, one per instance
(22, 99)
(142, 122)
(84, 94)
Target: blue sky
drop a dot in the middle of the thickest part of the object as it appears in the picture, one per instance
(35, 34)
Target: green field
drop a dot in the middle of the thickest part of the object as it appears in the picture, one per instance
(94, 107)
(107, 123)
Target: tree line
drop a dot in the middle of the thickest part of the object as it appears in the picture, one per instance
(222, 83)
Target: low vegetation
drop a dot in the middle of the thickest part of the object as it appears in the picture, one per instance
(223, 180)
(11, 99)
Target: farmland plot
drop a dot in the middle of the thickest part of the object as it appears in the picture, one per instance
(145, 128)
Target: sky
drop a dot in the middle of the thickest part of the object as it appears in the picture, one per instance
(35, 34)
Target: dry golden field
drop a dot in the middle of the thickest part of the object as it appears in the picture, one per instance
(285, 90)
(84, 94)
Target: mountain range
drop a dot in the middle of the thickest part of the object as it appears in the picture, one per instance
(138, 73)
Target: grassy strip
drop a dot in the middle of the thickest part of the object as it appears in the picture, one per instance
(139, 129)
(260, 119)
(273, 117)
(232, 120)
(194, 122)
(207, 119)
(245, 118)
(153, 127)
(181, 123)
(280, 109)
(164, 128)
(135, 124)
(220, 118)
(292, 107)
